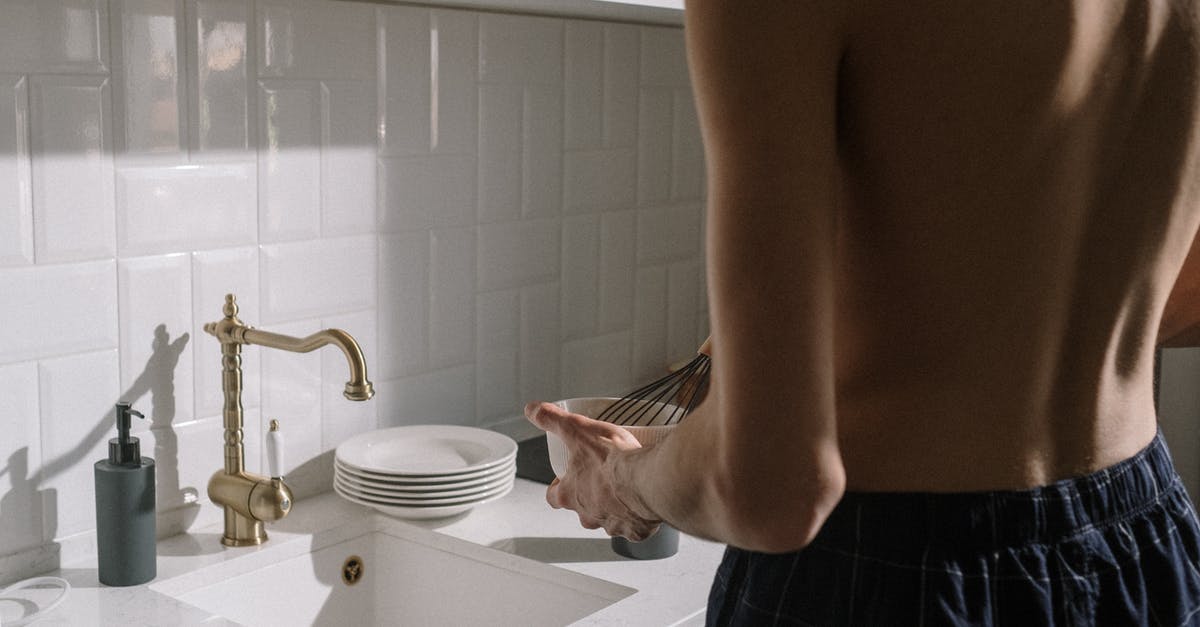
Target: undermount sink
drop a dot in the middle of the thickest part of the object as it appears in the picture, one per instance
(378, 571)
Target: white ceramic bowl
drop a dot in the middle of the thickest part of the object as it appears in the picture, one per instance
(591, 407)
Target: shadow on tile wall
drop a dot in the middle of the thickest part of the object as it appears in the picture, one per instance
(27, 506)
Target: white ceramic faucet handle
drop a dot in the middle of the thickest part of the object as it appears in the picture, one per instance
(275, 451)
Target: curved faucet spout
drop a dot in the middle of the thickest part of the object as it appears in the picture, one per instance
(358, 388)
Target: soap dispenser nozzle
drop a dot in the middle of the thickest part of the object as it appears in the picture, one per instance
(124, 450)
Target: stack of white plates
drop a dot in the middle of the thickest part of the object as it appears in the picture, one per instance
(425, 471)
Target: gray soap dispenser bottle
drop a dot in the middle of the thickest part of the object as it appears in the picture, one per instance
(125, 527)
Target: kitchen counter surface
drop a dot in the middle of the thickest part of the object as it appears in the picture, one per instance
(669, 591)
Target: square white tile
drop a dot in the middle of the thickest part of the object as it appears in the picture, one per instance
(663, 58)
(289, 160)
(600, 180)
(444, 397)
(596, 366)
(667, 233)
(500, 118)
(16, 193)
(541, 342)
(655, 144)
(71, 142)
(148, 86)
(498, 348)
(22, 516)
(57, 310)
(405, 75)
(518, 253)
(169, 208)
(456, 44)
(404, 292)
(650, 325)
(316, 39)
(317, 278)
(76, 395)
(218, 106)
(156, 340)
(618, 237)
(68, 36)
(520, 49)
(427, 192)
(580, 275)
(452, 297)
(541, 152)
(348, 191)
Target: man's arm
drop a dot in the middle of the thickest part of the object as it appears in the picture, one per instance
(1180, 326)
(756, 465)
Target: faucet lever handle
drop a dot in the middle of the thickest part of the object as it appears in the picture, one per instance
(275, 451)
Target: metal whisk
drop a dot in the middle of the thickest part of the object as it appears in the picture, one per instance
(667, 400)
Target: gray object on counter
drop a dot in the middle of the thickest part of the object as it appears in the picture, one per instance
(664, 543)
(125, 526)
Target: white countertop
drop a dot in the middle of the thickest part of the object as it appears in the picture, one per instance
(670, 591)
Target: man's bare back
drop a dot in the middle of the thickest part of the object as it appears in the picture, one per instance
(1017, 201)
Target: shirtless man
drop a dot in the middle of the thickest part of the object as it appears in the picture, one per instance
(942, 235)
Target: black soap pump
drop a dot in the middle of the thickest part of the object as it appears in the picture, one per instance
(125, 527)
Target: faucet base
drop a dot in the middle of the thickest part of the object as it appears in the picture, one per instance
(245, 531)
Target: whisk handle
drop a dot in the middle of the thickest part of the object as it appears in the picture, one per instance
(706, 347)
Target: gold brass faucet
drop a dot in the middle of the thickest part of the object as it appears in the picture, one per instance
(249, 499)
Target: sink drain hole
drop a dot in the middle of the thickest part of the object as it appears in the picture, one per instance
(352, 570)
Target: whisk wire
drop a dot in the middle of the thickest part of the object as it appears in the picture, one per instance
(680, 391)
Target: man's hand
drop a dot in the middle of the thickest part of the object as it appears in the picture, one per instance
(590, 487)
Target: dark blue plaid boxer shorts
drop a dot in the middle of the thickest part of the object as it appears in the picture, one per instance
(1116, 547)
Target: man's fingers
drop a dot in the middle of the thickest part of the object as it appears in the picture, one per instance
(554, 494)
(546, 416)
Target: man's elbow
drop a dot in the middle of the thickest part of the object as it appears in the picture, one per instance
(782, 518)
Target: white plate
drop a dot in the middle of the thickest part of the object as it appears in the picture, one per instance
(431, 480)
(423, 489)
(503, 475)
(422, 497)
(421, 502)
(426, 450)
(418, 513)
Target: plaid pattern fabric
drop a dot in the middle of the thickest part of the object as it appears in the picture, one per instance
(1117, 547)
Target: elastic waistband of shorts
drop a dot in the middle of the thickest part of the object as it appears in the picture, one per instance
(1005, 518)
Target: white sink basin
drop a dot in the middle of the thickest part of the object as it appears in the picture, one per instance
(409, 576)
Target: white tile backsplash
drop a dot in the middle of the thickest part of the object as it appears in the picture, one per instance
(516, 253)
(520, 50)
(459, 190)
(218, 78)
(451, 297)
(71, 142)
(498, 349)
(67, 36)
(348, 155)
(147, 40)
(57, 310)
(318, 278)
(76, 395)
(16, 195)
(156, 342)
(166, 208)
(597, 180)
(21, 513)
(289, 165)
(288, 30)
